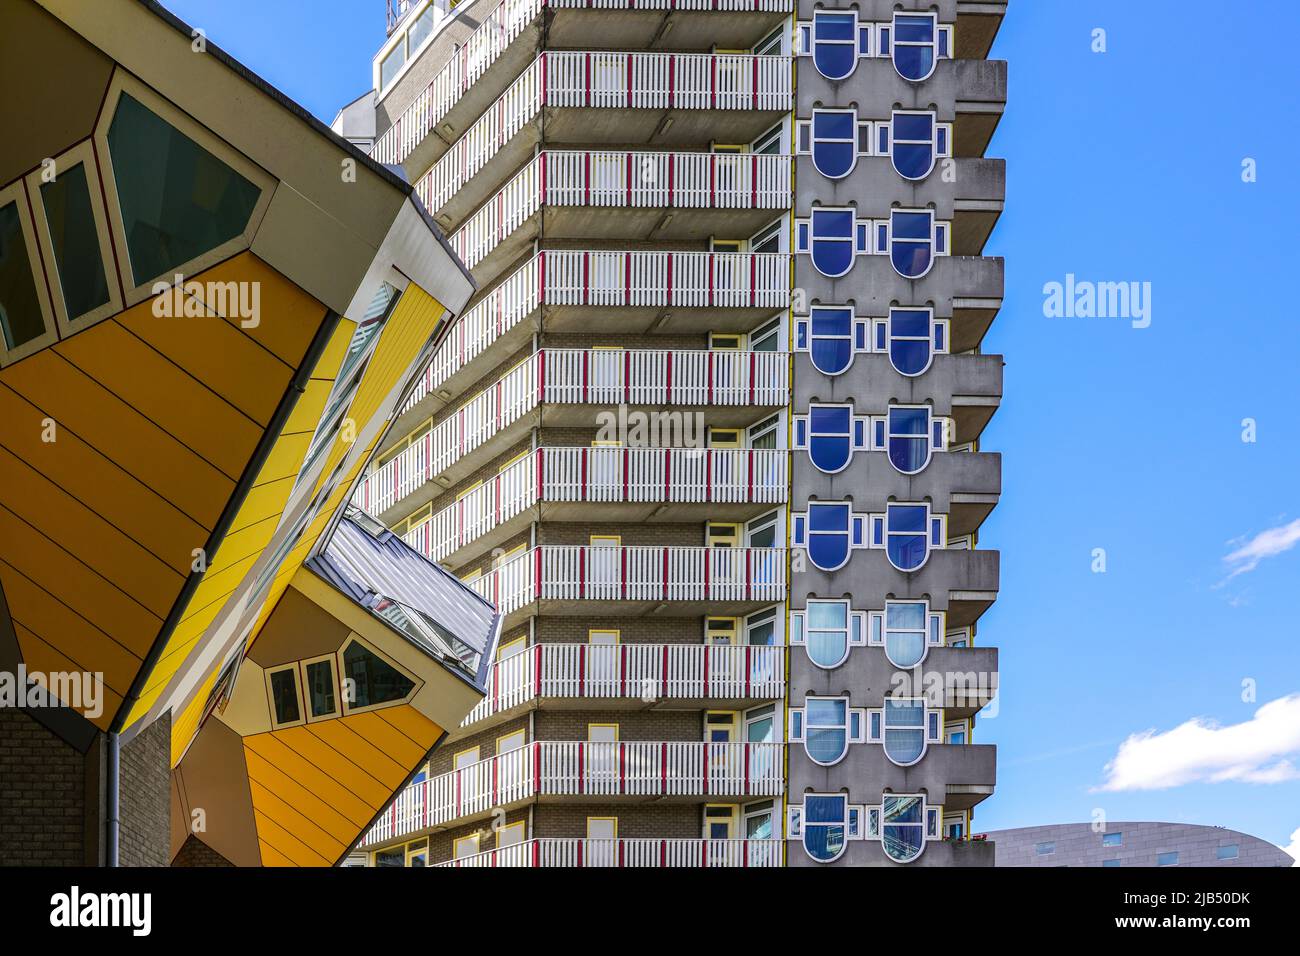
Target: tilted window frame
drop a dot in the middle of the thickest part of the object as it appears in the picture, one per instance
(123, 82)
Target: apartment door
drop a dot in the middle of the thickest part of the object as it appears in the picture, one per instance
(463, 762)
(604, 561)
(602, 663)
(602, 758)
(725, 437)
(722, 534)
(760, 734)
(720, 821)
(602, 841)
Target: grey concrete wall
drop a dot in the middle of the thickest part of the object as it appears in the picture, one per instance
(970, 194)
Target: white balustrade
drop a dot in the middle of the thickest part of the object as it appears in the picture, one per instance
(582, 278)
(579, 572)
(626, 179)
(646, 671)
(580, 376)
(578, 767)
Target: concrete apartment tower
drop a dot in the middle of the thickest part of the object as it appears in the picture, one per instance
(709, 433)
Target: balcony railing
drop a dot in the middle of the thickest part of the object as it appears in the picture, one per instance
(466, 65)
(624, 179)
(616, 475)
(644, 671)
(492, 37)
(611, 80)
(581, 768)
(576, 852)
(582, 573)
(573, 376)
(633, 279)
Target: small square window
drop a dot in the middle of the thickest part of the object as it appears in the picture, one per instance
(1113, 839)
(1167, 859)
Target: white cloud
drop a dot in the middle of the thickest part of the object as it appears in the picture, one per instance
(1267, 544)
(1259, 750)
(1294, 848)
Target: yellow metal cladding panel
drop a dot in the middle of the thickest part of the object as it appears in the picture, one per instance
(251, 533)
(211, 349)
(294, 559)
(84, 407)
(316, 787)
(120, 448)
(38, 655)
(200, 418)
(414, 321)
(287, 317)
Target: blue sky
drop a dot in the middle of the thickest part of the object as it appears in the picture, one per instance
(1122, 166)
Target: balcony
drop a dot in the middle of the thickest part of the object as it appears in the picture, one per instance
(961, 680)
(630, 676)
(675, 580)
(962, 484)
(958, 775)
(973, 92)
(577, 770)
(561, 386)
(631, 292)
(652, 99)
(506, 41)
(607, 194)
(967, 387)
(968, 578)
(579, 852)
(605, 484)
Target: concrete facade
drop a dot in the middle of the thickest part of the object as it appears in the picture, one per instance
(1128, 844)
(964, 387)
(471, 153)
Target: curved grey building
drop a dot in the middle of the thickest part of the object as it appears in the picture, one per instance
(1133, 844)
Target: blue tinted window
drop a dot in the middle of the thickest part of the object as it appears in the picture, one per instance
(1229, 852)
(836, 26)
(905, 640)
(1167, 859)
(824, 819)
(904, 731)
(916, 127)
(1113, 839)
(909, 439)
(912, 225)
(834, 125)
(826, 632)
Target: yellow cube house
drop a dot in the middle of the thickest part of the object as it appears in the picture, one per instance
(210, 308)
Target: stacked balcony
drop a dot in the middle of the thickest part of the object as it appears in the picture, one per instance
(568, 386)
(567, 150)
(576, 771)
(621, 676)
(638, 853)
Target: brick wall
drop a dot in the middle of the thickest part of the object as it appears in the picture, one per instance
(145, 796)
(194, 852)
(632, 725)
(486, 741)
(661, 821)
(42, 795)
(632, 630)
